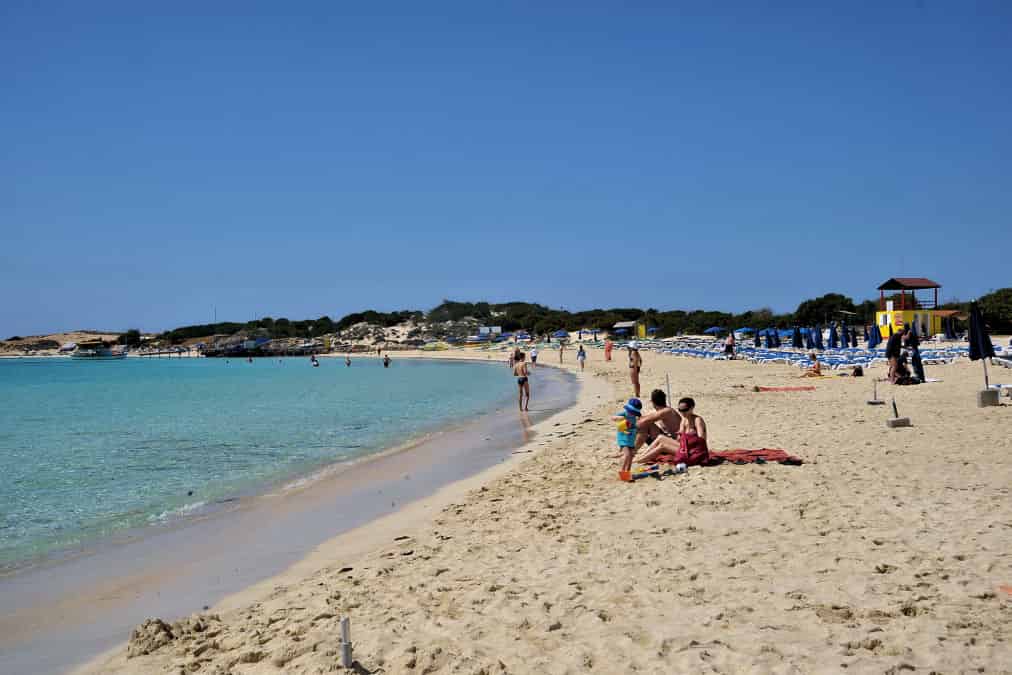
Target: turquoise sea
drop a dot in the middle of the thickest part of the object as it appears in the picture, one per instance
(89, 449)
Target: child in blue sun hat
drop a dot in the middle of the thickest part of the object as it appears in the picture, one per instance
(626, 422)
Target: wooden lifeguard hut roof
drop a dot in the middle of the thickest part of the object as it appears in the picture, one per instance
(908, 284)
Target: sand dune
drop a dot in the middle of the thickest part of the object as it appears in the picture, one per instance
(885, 552)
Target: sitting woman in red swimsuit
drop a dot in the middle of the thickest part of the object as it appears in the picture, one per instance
(689, 447)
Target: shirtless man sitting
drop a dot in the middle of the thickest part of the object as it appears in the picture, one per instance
(691, 442)
(663, 421)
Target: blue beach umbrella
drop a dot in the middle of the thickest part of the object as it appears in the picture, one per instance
(844, 337)
(980, 341)
(853, 336)
(809, 339)
(818, 338)
(867, 338)
(950, 327)
(755, 339)
(769, 339)
(834, 339)
(796, 340)
(776, 338)
(713, 330)
(745, 330)
(874, 337)
(560, 334)
(621, 331)
(652, 329)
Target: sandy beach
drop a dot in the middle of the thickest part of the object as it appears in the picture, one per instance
(887, 551)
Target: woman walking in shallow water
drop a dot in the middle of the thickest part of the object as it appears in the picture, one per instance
(523, 381)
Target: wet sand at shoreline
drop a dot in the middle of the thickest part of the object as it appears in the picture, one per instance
(887, 551)
(66, 610)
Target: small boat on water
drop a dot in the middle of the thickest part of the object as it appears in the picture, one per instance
(97, 350)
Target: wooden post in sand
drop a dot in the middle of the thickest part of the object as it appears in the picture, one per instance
(346, 659)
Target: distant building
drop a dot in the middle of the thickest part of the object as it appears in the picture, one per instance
(920, 312)
(632, 328)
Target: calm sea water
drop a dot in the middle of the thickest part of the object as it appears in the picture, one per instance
(88, 449)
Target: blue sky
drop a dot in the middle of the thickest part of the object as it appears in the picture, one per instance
(300, 159)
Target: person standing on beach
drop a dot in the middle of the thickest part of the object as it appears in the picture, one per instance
(562, 348)
(893, 348)
(635, 364)
(534, 357)
(607, 350)
(523, 381)
(729, 345)
(913, 344)
(581, 356)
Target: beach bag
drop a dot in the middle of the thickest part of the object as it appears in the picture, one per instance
(692, 451)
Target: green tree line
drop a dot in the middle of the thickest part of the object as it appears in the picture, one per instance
(514, 316)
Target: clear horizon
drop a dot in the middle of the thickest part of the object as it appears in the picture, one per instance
(163, 161)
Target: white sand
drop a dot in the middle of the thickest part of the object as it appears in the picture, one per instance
(887, 551)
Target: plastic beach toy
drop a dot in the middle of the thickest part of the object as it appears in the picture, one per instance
(622, 425)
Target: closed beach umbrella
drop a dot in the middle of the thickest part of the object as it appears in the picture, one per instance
(778, 342)
(845, 337)
(874, 338)
(834, 339)
(867, 337)
(809, 338)
(755, 339)
(980, 342)
(769, 339)
(818, 338)
(796, 341)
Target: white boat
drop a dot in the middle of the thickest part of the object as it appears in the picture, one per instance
(97, 350)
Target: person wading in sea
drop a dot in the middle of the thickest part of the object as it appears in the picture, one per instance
(523, 381)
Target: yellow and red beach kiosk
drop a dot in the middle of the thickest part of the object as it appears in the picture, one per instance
(909, 309)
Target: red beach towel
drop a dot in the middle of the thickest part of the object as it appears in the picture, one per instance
(737, 456)
(801, 388)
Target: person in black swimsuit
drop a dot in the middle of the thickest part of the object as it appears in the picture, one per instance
(523, 381)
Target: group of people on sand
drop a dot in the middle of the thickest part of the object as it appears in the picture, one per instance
(674, 435)
(900, 344)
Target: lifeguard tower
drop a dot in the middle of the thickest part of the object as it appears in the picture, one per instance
(920, 312)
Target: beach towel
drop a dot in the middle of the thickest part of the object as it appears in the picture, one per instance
(742, 456)
(692, 452)
(739, 456)
(803, 388)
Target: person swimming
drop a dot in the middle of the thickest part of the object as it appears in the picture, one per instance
(386, 361)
